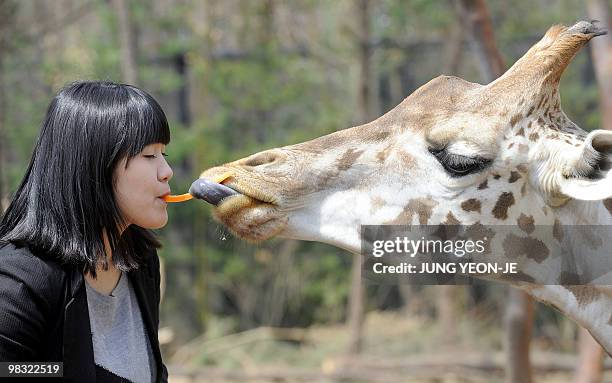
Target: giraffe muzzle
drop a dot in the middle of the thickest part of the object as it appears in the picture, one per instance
(210, 192)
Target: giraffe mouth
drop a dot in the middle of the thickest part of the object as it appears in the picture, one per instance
(251, 215)
(246, 210)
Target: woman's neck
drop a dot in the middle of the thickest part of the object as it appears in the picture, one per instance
(106, 280)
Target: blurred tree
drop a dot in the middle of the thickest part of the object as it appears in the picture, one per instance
(590, 359)
(127, 42)
(357, 295)
(601, 50)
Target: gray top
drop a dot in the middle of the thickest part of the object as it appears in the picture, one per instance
(120, 342)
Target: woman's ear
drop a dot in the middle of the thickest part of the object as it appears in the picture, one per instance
(597, 184)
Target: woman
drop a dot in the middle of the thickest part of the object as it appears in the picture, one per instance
(79, 273)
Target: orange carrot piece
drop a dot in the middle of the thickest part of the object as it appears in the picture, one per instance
(178, 198)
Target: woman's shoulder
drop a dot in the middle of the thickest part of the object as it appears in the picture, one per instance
(37, 272)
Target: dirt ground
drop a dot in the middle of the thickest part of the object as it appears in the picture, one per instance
(397, 348)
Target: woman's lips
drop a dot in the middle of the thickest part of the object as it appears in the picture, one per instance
(210, 192)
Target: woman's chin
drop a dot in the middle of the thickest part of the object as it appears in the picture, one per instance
(154, 222)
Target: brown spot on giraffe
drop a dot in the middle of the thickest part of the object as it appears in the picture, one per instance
(532, 248)
(608, 204)
(451, 219)
(511, 145)
(406, 159)
(516, 118)
(529, 112)
(558, 230)
(583, 294)
(500, 210)
(471, 204)
(524, 189)
(380, 135)
(526, 223)
(383, 154)
(483, 185)
(590, 237)
(520, 132)
(479, 232)
(514, 176)
(423, 207)
(496, 176)
(542, 101)
(449, 227)
(348, 159)
(534, 136)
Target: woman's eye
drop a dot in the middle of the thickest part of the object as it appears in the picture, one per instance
(458, 166)
(153, 155)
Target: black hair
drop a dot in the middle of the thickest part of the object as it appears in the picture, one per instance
(66, 200)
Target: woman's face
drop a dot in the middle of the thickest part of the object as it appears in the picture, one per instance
(140, 186)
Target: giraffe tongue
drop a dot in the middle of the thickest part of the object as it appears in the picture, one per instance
(210, 192)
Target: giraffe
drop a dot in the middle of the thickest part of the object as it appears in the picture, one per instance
(452, 152)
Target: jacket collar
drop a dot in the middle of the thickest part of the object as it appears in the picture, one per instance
(78, 348)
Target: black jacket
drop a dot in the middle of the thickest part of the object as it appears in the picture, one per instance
(44, 315)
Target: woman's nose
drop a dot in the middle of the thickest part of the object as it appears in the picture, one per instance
(165, 173)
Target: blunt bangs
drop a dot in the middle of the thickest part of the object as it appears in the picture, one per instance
(66, 200)
(145, 123)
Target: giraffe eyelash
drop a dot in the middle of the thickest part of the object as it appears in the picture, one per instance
(457, 165)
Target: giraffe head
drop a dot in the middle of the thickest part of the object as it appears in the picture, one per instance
(451, 152)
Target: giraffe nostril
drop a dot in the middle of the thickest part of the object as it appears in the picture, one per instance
(262, 158)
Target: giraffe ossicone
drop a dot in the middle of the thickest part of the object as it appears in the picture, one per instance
(453, 152)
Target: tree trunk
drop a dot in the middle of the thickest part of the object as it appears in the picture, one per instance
(520, 308)
(590, 359)
(447, 312)
(601, 50)
(518, 323)
(127, 42)
(477, 21)
(357, 294)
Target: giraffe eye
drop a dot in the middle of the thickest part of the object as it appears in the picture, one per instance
(457, 165)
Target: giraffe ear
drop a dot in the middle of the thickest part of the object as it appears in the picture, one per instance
(591, 177)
